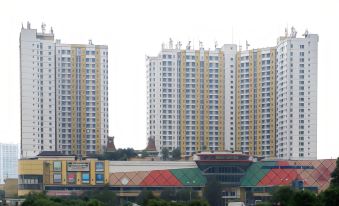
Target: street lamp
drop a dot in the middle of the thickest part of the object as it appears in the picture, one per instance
(124, 182)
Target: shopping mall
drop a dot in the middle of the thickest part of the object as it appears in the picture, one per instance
(244, 178)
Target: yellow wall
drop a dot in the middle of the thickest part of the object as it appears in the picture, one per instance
(259, 102)
(198, 115)
(98, 98)
(73, 100)
(27, 167)
(272, 102)
(46, 168)
(238, 117)
(183, 102)
(221, 101)
(206, 101)
(83, 101)
(11, 188)
(251, 105)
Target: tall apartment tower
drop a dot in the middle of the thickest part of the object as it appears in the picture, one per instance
(37, 78)
(296, 89)
(261, 102)
(82, 98)
(8, 161)
(64, 95)
(186, 98)
(256, 102)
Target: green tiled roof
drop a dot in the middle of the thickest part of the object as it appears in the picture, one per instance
(255, 173)
(189, 176)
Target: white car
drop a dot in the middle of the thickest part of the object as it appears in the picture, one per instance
(236, 204)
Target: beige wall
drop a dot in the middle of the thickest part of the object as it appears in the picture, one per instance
(11, 188)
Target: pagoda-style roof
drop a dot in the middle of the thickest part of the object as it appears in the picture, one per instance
(110, 144)
(151, 145)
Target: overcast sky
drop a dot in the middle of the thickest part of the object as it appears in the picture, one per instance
(133, 29)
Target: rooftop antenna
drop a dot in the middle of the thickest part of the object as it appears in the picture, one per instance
(306, 33)
(201, 46)
(52, 30)
(247, 45)
(293, 32)
(170, 43)
(188, 47)
(232, 36)
(43, 27)
(215, 44)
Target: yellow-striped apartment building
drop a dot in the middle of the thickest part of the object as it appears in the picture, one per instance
(64, 95)
(255, 100)
(186, 95)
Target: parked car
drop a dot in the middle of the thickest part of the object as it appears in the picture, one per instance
(236, 204)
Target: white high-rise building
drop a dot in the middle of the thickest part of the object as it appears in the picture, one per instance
(259, 101)
(37, 75)
(296, 111)
(8, 161)
(256, 102)
(186, 98)
(82, 98)
(64, 95)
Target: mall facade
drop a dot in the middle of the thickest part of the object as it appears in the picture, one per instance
(243, 178)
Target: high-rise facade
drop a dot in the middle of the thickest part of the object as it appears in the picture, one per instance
(37, 77)
(186, 98)
(82, 98)
(256, 102)
(297, 64)
(260, 101)
(8, 161)
(64, 95)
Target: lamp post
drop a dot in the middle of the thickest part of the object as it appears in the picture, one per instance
(124, 182)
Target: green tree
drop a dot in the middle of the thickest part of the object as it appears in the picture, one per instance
(330, 196)
(304, 198)
(144, 154)
(144, 196)
(212, 192)
(156, 202)
(164, 153)
(264, 204)
(283, 196)
(186, 195)
(335, 175)
(32, 197)
(120, 154)
(198, 203)
(45, 202)
(168, 195)
(94, 202)
(176, 154)
(105, 196)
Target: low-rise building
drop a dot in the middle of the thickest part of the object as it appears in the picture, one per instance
(243, 177)
(65, 175)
